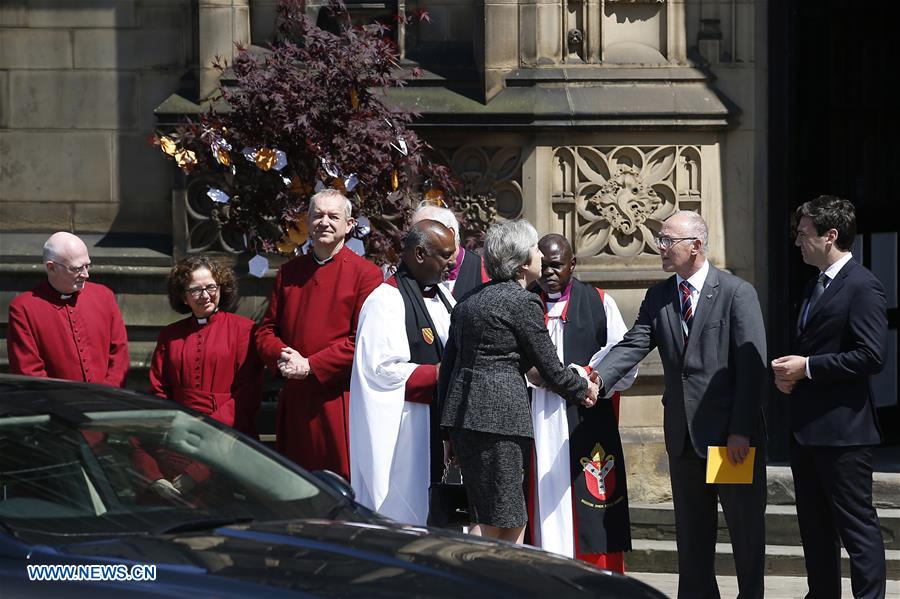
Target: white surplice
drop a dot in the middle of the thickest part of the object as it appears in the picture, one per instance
(390, 467)
(553, 531)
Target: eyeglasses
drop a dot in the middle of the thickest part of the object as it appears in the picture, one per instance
(664, 242)
(76, 270)
(196, 292)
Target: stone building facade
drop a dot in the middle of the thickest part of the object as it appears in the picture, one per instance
(592, 118)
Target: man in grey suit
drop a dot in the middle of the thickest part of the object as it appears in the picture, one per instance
(709, 330)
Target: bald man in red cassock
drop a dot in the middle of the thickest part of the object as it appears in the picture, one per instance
(66, 327)
(308, 336)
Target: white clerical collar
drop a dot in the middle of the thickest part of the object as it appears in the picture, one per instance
(554, 297)
(202, 320)
(832, 271)
(65, 296)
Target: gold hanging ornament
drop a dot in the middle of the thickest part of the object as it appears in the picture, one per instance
(167, 145)
(354, 98)
(395, 180)
(435, 197)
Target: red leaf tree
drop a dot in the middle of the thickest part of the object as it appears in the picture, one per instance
(311, 112)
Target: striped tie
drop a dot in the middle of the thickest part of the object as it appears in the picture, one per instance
(687, 308)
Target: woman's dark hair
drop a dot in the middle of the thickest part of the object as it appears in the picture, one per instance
(180, 277)
(830, 212)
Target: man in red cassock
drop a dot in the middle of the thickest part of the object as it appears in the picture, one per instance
(66, 327)
(308, 335)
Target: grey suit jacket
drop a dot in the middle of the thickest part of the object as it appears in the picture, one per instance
(715, 384)
(497, 333)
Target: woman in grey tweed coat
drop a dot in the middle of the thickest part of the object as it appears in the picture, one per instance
(497, 334)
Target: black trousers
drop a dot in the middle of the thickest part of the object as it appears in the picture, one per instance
(696, 525)
(833, 488)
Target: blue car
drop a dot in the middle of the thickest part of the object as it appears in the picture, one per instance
(106, 492)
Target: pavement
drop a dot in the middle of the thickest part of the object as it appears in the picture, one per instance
(777, 587)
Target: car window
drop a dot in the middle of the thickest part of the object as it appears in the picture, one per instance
(121, 472)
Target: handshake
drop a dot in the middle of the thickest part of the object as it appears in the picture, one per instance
(593, 380)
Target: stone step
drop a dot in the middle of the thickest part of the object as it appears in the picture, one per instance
(657, 522)
(885, 481)
(781, 560)
(777, 587)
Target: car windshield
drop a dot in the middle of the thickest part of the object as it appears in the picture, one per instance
(141, 471)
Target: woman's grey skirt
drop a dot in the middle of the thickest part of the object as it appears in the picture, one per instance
(492, 468)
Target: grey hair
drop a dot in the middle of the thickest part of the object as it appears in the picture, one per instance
(507, 246)
(51, 252)
(445, 216)
(695, 226)
(326, 193)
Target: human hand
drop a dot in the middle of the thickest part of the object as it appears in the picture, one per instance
(292, 364)
(789, 368)
(595, 376)
(593, 390)
(534, 377)
(785, 386)
(165, 489)
(738, 448)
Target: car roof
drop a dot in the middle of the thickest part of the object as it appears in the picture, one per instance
(23, 396)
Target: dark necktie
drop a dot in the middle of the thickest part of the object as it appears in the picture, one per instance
(687, 308)
(817, 292)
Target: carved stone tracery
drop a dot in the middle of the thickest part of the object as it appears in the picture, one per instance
(491, 180)
(613, 199)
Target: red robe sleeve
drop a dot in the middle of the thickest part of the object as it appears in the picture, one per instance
(331, 365)
(21, 346)
(421, 385)
(268, 343)
(159, 385)
(247, 386)
(117, 368)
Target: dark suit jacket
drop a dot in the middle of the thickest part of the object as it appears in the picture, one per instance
(715, 385)
(497, 333)
(845, 338)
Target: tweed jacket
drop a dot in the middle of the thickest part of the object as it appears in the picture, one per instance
(497, 333)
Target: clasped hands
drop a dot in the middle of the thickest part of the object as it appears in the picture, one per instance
(292, 364)
(788, 370)
(593, 388)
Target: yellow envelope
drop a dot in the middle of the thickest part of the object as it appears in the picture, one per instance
(720, 470)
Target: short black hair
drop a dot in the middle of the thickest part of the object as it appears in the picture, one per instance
(831, 212)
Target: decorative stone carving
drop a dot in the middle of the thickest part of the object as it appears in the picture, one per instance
(613, 199)
(204, 229)
(491, 178)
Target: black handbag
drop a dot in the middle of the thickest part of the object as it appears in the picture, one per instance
(448, 504)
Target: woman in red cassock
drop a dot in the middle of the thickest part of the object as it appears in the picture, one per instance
(206, 362)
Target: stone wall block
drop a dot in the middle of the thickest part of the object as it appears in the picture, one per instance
(4, 98)
(24, 217)
(459, 23)
(84, 13)
(73, 99)
(153, 89)
(165, 15)
(122, 217)
(501, 44)
(136, 49)
(262, 21)
(143, 173)
(35, 49)
(13, 13)
(44, 166)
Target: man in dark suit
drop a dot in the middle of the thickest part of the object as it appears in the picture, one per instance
(841, 339)
(708, 328)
